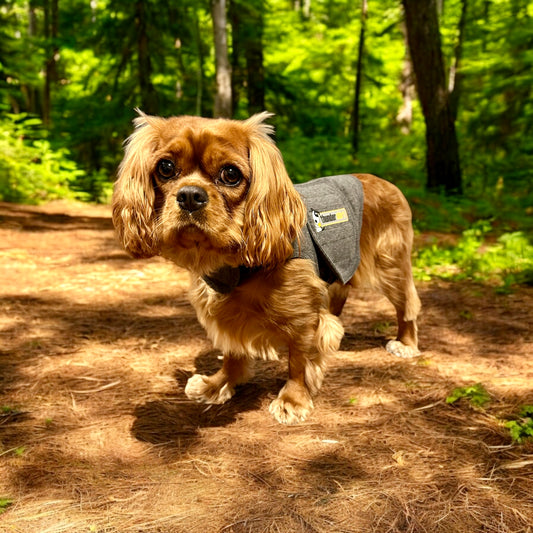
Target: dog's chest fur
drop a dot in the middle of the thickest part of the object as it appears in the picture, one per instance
(257, 319)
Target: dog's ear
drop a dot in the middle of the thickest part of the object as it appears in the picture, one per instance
(133, 195)
(274, 212)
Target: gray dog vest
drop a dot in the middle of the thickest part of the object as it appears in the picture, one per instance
(334, 217)
(329, 239)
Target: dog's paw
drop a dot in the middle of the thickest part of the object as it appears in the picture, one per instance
(287, 411)
(202, 389)
(399, 349)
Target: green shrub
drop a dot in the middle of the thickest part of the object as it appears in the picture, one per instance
(505, 262)
(522, 429)
(5, 503)
(476, 394)
(30, 170)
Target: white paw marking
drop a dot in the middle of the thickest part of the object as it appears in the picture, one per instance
(399, 349)
(200, 389)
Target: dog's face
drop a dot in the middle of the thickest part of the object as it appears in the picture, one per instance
(206, 193)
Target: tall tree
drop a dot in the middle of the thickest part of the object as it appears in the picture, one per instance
(407, 88)
(356, 120)
(455, 77)
(247, 24)
(31, 93)
(442, 151)
(200, 68)
(148, 93)
(223, 68)
(51, 28)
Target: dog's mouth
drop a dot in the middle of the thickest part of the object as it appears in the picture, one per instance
(191, 236)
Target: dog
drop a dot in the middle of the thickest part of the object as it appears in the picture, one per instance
(213, 196)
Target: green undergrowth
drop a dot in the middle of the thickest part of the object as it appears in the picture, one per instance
(476, 396)
(33, 171)
(509, 207)
(521, 429)
(503, 261)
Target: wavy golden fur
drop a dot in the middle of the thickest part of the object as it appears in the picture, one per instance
(213, 193)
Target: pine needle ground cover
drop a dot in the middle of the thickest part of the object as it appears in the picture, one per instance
(96, 434)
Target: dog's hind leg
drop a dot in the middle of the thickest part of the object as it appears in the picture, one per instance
(385, 247)
(398, 286)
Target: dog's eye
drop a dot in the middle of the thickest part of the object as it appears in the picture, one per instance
(166, 169)
(230, 176)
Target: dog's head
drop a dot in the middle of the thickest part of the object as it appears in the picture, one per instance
(205, 193)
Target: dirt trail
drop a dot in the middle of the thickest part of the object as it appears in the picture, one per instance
(96, 434)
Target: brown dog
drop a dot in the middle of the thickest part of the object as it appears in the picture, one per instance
(213, 196)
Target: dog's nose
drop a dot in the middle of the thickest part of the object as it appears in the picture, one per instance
(191, 198)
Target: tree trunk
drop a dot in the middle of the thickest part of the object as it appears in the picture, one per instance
(253, 45)
(200, 69)
(407, 88)
(247, 25)
(51, 29)
(455, 76)
(306, 9)
(356, 119)
(442, 152)
(223, 69)
(237, 71)
(31, 92)
(149, 100)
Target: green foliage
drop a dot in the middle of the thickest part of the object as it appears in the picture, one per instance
(496, 102)
(30, 170)
(109, 57)
(522, 428)
(505, 262)
(476, 395)
(19, 451)
(5, 503)
(307, 158)
(508, 210)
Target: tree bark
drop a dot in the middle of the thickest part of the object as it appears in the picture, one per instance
(455, 76)
(442, 151)
(31, 92)
(247, 25)
(223, 69)
(237, 69)
(149, 100)
(407, 88)
(356, 118)
(51, 30)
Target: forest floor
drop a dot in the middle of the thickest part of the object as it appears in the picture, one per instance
(96, 434)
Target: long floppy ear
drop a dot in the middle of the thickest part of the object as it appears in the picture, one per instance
(133, 195)
(274, 212)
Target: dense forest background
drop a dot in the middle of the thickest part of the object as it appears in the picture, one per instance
(337, 73)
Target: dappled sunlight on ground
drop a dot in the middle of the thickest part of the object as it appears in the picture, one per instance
(96, 433)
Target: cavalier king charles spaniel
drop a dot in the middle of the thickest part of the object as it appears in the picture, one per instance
(213, 196)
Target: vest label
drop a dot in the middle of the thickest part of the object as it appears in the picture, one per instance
(324, 219)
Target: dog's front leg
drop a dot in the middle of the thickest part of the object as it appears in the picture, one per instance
(220, 387)
(307, 360)
(294, 402)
